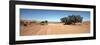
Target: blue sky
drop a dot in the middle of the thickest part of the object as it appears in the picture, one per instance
(50, 15)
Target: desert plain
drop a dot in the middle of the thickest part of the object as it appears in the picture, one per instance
(54, 29)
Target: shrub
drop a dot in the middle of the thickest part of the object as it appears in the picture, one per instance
(44, 22)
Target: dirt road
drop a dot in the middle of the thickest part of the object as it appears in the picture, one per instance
(54, 28)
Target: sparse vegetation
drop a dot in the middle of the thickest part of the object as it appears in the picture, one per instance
(44, 22)
(51, 22)
(63, 27)
(26, 23)
(71, 19)
(23, 23)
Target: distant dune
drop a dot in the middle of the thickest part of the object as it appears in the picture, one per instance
(54, 28)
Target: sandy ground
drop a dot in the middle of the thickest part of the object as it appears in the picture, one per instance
(54, 28)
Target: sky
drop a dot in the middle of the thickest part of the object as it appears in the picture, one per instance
(50, 15)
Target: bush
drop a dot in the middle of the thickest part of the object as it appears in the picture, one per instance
(44, 22)
(71, 19)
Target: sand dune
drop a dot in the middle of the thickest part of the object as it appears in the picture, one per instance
(54, 28)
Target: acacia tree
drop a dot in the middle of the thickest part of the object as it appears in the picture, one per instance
(79, 18)
(71, 19)
(64, 19)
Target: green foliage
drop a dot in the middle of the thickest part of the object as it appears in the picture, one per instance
(72, 19)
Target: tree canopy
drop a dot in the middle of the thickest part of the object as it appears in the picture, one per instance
(72, 19)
